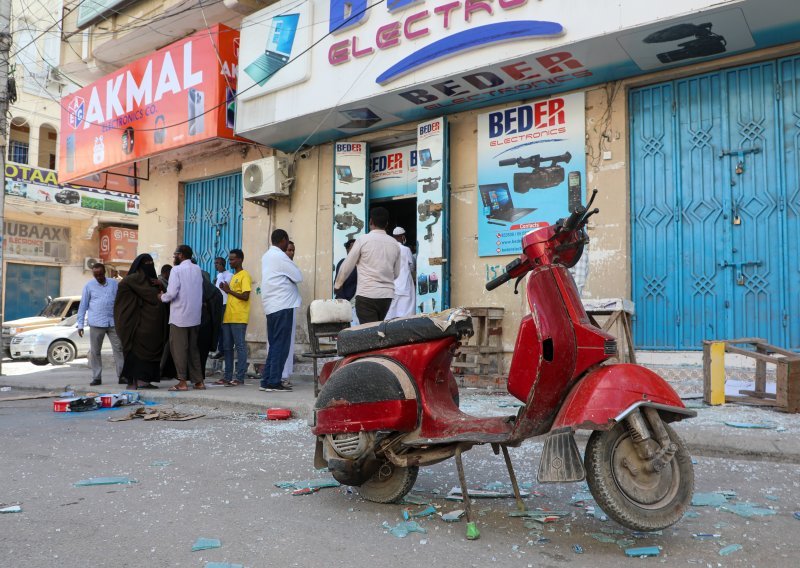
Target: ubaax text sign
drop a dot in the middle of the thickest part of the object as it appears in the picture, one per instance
(181, 94)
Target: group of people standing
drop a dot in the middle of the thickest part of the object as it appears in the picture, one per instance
(166, 327)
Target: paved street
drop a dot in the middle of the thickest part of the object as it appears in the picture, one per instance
(214, 477)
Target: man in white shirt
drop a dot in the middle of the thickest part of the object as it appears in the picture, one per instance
(377, 257)
(185, 298)
(405, 293)
(279, 297)
(223, 275)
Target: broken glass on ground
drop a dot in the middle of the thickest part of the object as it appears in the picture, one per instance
(730, 549)
(453, 516)
(404, 528)
(223, 565)
(715, 499)
(11, 509)
(643, 551)
(747, 510)
(455, 494)
(314, 484)
(752, 425)
(160, 463)
(206, 544)
(114, 480)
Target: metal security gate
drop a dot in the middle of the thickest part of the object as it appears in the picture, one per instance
(27, 289)
(213, 218)
(715, 189)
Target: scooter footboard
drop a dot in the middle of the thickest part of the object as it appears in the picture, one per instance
(608, 394)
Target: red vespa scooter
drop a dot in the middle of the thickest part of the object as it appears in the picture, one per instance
(390, 405)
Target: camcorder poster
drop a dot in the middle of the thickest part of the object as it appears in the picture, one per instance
(531, 169)
(349, 195)
(431, 219)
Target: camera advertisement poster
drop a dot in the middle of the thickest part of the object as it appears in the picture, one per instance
(531, 169)
(349, 196)
(431, 219)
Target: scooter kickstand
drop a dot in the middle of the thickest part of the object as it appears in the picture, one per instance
(513, 476)
(472, 529)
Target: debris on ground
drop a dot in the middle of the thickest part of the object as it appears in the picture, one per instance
(404, 528)
(509, 404)
(691, 515)
(761, 426)
(223, 565)
(730, 549)
(410, 499)
(747, 510)
(5, 389)
(577, 549)
(705, 536)
(453, 516)
(426, 512)
(160, 463)
(11, 509)
(715, 499)
(313, 484)
(797, 515)
(206, 544)
(455, 494)
(540, 515)
(643, 551)
(600, 537)
(118, 480)
(154, 414)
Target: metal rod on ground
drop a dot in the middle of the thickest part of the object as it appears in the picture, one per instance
(472, 529)
(513, 476)
(5, 49)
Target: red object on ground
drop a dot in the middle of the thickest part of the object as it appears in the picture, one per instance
(278, 413)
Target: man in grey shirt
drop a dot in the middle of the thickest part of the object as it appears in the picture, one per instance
(377, 257)
(98, 299)
(185, 297)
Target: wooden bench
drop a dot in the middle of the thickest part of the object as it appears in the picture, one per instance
(787, 373)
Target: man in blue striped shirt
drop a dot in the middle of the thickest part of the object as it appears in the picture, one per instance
(98, 299)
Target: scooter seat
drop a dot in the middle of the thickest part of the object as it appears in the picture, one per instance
(404, 331)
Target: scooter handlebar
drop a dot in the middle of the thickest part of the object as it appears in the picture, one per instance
(572, 221)
(499, 281)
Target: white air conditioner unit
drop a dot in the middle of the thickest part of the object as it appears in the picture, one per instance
(265, 179)
(89, 262)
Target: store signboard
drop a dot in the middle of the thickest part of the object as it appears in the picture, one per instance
(41, 185)
(393, 172)
(118, 245)
(349, 195)
(432, 221)
(32, 241)
(531, 169)
(179, 95)
(377, 64)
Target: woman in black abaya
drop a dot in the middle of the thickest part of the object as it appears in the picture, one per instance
(140, 319)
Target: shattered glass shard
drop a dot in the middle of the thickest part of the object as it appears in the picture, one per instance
(206, 544)
(120, 480)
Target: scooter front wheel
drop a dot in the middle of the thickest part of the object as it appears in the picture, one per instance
(627, 491)
(389, 484)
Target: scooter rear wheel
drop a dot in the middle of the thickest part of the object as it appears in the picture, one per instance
(389, 484)
(627, 492)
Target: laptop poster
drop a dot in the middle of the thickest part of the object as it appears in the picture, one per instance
(350, 176)
(531, 169)
(432, 222)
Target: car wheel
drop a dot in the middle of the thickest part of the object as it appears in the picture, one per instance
(60, 353)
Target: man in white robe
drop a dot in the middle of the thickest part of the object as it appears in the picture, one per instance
(405, 293)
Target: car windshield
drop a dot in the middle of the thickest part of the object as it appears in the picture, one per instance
(54, 309)
(70, 321)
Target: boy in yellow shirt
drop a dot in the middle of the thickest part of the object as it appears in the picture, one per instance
(234, 322)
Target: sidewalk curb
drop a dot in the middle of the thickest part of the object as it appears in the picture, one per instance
(701, 442)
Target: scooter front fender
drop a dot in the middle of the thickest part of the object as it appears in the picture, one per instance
(608, 394)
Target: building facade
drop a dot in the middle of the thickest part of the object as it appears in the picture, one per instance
(52, 232)
(474, 122)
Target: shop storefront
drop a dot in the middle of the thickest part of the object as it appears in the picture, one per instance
(54, 233)
(536, 106)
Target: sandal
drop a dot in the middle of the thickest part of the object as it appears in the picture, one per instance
(199, 386)
(178, 388)
(233, 384)
(221, 382)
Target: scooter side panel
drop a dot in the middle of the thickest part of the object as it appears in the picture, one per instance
(595, 402)
(396, 415)
(526, 362)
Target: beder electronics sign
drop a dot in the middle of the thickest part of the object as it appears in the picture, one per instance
(348, 66)
(179, 95)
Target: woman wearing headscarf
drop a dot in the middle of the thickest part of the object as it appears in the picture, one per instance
(140, 318)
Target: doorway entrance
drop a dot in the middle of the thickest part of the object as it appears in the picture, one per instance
(402, 213)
